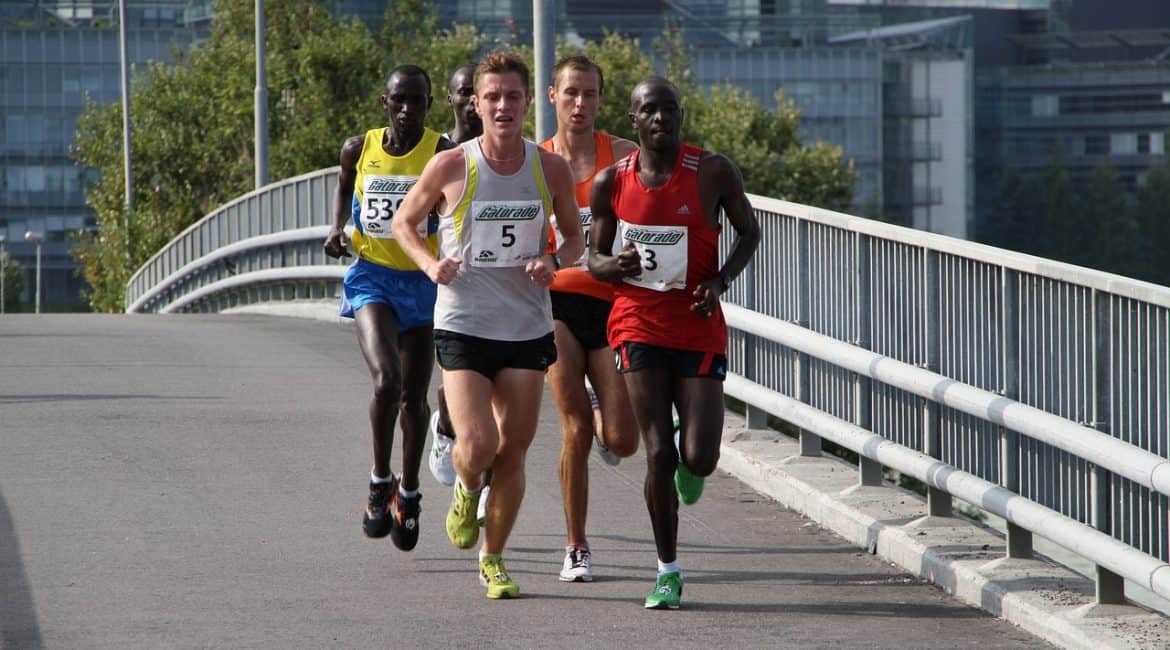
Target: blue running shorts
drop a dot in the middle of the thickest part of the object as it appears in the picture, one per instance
(411, 294)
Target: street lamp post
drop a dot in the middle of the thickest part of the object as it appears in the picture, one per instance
(3, 294)
(36, 238)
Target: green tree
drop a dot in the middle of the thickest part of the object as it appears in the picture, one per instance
(1152, 217)
(193, 128)
(13, 282)
(1107, 238)
(411, 34)
(1059, 237)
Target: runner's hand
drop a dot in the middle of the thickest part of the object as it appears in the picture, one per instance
(629, 261)
(540, 271)
(443, 271)
(336, 244)
(706, 297)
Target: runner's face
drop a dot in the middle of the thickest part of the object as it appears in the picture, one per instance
(462, 90)
(502, 102)
(576, 97)
(407, 100)
(657, 116)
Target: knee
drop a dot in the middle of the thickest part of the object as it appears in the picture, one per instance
(508, 462)
(414, 399)
(702, 464)
(387, 385)
(478, 450)
(624, 445)
(577, 436)
(662, 458)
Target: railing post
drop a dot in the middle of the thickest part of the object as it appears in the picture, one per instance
(870, 470)
(1110, 586)
(757, 418)
(1019, 540)
(938, 502)
(810, 443)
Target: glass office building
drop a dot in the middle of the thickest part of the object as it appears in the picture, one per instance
(53, 55)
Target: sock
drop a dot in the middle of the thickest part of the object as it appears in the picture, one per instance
(407, 494)
(482, 555)
(464, 487)
(378, 480)
(579, 547)
(669, 567)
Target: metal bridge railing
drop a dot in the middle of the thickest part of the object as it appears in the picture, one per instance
(1036, 390)
(1033, 389)
(265, 245)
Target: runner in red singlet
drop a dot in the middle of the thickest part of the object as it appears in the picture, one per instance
(581, 306)
(663, 202)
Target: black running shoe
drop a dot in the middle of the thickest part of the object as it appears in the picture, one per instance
(378, 519)
(404, 513)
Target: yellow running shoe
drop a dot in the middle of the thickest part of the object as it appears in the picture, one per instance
(462, 528)
(494, 576)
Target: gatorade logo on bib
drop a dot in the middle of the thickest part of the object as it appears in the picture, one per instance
(382, 196)
(586, 215)
(663, 250)
(506, 233)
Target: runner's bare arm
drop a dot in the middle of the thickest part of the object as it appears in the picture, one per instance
(719, 177)
(443, 172)
(622, 147)
(602, 264)
(351, 152)
(560, 181)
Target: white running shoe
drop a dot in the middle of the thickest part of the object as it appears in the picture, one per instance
(606, 454)
(576, 566)
(481, 511)
(439, 458)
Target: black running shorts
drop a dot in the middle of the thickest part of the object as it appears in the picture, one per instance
(682, 363)
(585, 316)
(455, 351)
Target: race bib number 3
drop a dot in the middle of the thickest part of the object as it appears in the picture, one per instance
(663, 250)
(381, 198)
(506, 233)
(586, 223)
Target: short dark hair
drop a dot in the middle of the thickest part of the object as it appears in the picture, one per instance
(409, 70)
(502, 63)
(578, 62)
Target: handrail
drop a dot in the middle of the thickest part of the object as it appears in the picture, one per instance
(1142, 467)
(230, 250)
(257, 277)
(1100, 280)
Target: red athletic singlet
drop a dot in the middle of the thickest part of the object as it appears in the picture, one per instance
(575, 278)
(679, 249)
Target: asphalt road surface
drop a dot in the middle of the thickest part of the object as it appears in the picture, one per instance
(198, 481)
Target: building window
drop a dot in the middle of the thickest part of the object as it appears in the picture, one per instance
(1045, 105)
(1096, 144)
(1122, 144)
(1143, 143)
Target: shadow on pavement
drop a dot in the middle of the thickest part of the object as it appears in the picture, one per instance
(18, 615)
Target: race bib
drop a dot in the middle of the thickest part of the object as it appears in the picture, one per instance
(381, 198)
(663, 250)
(506, 233)
(586, 222)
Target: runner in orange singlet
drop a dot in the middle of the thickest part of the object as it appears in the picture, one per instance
(581, 307)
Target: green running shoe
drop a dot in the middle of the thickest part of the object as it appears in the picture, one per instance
(462, 529)
(667, 592)
(494, 576)
(688, 486)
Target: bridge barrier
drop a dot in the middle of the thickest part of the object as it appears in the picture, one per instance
(1037, 390)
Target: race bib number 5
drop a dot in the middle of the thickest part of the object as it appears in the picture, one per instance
(663, 250)
(506, 233)
(381, 198)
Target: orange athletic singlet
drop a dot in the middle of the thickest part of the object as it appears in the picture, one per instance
(575, 278)
(679, 249)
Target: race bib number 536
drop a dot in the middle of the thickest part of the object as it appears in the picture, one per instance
(381, 198)
(663, 250)
(506, 233)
